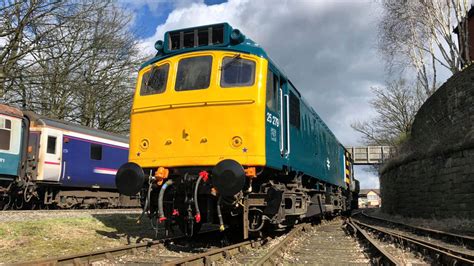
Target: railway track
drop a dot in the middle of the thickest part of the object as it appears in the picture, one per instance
(455, 239)
(430, 246)
(87, 258)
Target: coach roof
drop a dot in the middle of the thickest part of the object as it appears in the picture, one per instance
(46, 121)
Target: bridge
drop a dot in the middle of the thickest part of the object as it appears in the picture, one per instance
(369, 155)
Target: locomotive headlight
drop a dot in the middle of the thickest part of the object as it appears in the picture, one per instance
(236, 142)
(144, 144)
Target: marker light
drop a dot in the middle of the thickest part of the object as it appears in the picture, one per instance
(236, 36)
(159, 45)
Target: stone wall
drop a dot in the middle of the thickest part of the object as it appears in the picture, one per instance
(433, 176)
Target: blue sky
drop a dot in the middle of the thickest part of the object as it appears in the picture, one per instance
(148, 15)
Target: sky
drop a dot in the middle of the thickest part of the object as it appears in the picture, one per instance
(326, 48)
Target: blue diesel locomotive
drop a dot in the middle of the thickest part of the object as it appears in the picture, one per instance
(46, 162)
(220, 134)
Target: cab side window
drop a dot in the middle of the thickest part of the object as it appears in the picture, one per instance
(5, 133)
(272, 91)
(237, 72)
(154, 81)
(294, 110)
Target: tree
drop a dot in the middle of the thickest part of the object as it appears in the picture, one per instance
(419, 34)
(23, 25)
(395, 105)
(83, 70)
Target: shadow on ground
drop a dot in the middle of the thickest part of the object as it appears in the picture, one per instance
(126, 226)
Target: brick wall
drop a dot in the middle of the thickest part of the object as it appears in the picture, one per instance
(433, 176)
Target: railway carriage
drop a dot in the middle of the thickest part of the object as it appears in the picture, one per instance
(57, 163)
(220, 134)
(12, 132)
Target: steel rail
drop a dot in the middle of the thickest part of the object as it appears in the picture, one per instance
(109, 253)
(468, 241)
(213, 255)
(440, 253)
(383, 252)
(273, 251)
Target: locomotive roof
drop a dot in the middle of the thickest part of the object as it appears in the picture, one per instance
(46, 121)
(12, 111)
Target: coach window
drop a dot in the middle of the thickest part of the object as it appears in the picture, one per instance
(237, 72)
(294, 110)
(154, 81)
(194, 73)
(51, 147)
(96, 152)
(272, 91)
(5, 133)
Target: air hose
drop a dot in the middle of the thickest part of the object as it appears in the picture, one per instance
(196, 204)
(147, 201)
(219, 214)
(161, 213)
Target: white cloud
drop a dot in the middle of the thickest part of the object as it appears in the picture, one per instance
(326, 48)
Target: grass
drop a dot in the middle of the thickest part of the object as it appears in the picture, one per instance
(29, 240)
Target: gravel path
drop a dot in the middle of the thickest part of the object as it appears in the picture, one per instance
(325, 244)
(28, 215)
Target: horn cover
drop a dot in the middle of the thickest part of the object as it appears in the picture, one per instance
(228, 176)
(129, 179)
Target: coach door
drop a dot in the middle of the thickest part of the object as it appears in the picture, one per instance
(51, 150)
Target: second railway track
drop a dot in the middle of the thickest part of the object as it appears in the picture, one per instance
(424, 244)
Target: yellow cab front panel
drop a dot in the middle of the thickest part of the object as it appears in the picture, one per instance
(200, 127)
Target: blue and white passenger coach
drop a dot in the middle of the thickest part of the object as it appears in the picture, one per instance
(51, 163)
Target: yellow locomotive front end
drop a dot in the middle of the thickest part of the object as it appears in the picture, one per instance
(199, 108)
(197, 131)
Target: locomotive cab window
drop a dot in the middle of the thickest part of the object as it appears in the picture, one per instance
(272, 91)
(5, 133)
(51, 145)
(194, 73)
(237, 72)
(154, 81)
(294, 110)
(96, 152)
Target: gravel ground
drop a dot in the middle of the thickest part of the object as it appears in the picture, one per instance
(325, 243)
(32, 215)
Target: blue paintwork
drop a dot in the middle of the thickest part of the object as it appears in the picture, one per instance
(9, 164)
(80, 167)
(314, 150)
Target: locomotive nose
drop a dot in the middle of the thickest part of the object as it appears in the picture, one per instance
(228, 176)
(129, 179)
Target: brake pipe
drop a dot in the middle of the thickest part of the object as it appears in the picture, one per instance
(196, 204)
(160, 199)
(219, 214)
